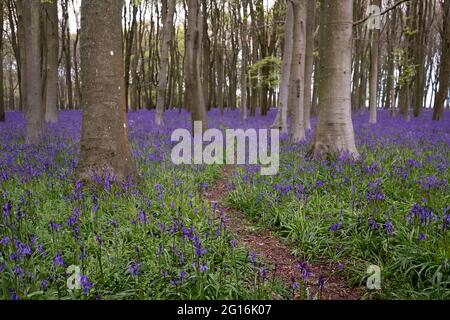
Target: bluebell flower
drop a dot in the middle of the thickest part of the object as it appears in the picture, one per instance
(58, 260)
(134, 269)
(86, 284)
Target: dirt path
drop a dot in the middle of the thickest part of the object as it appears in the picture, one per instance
(272, 250)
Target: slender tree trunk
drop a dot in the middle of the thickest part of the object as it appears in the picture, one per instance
(104, 142)
(334, 132)
(374, 54)
(22, 53)
(67, 55)
(195, 101)
(442, 94)
(2, 95)
(244, 63)
(163, 73)
(282, 115)
(34, 107)
(51, 66)
(309, 62)
(297, 82)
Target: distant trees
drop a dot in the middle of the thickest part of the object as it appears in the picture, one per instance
(104, 141)
(400, 67)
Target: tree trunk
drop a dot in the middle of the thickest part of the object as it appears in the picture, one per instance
(51, 62)
(442, 94)
(195, 101)
(374, 55)
(34, 107)
(163, 73)
(309, 62)
(2, 96)
(21, 21)
(282, 115)
(334, 132)
(104, 142)
(297, 82)
(244, 63)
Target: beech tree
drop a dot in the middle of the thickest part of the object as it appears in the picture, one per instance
(104, 140)
(334, 133)
(166, 39)
(444, 72)
(194, 99)
(297, 77)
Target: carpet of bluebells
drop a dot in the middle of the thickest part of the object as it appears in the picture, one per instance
(160, 239)
(391, 209)
(157, 239)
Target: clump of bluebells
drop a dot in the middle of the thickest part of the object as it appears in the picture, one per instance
(156, 239)
(391, 208)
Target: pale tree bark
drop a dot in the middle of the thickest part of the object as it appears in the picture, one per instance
(297, 78)
(334, 133)
(163, 73)
(50, 97)
(282, 115)
(309, 62)
(104, 142)
(34, 107)
(374, 56)
(194, 98)
(244, 62)
(442, 94)
(2, 97)
(22, 52)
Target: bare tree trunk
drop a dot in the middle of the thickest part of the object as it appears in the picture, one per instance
(334, 132)
(195, 101)
(163, 73)
(104, 142)
(442, 94)
(2, 96)
(297, 82)
(282, 115)
(67, 54)
(34, 107)
(374, 54)
(22, 53)
(244, 63)
(309, 62)
(51, 66)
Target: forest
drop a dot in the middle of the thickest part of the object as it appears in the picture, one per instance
(348, 101)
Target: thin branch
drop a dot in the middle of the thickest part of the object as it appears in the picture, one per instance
(381, 13)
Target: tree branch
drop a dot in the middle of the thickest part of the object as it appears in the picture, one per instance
(381, 13)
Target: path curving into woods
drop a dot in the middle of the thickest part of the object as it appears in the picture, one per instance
(273, 251)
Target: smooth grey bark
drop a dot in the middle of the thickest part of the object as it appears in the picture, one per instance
(2, 97)
(334, 133)
(164, 64)
(34, 111)
(50, 98)
(374, 57)
(442, 94)
(282, 114)
(244, 63)
(309, 62)
(195, 101)
(297, 77)
(104, 141)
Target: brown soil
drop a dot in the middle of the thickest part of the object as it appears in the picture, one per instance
(273, 251)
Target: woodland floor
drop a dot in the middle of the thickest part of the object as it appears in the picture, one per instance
(268, 246)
